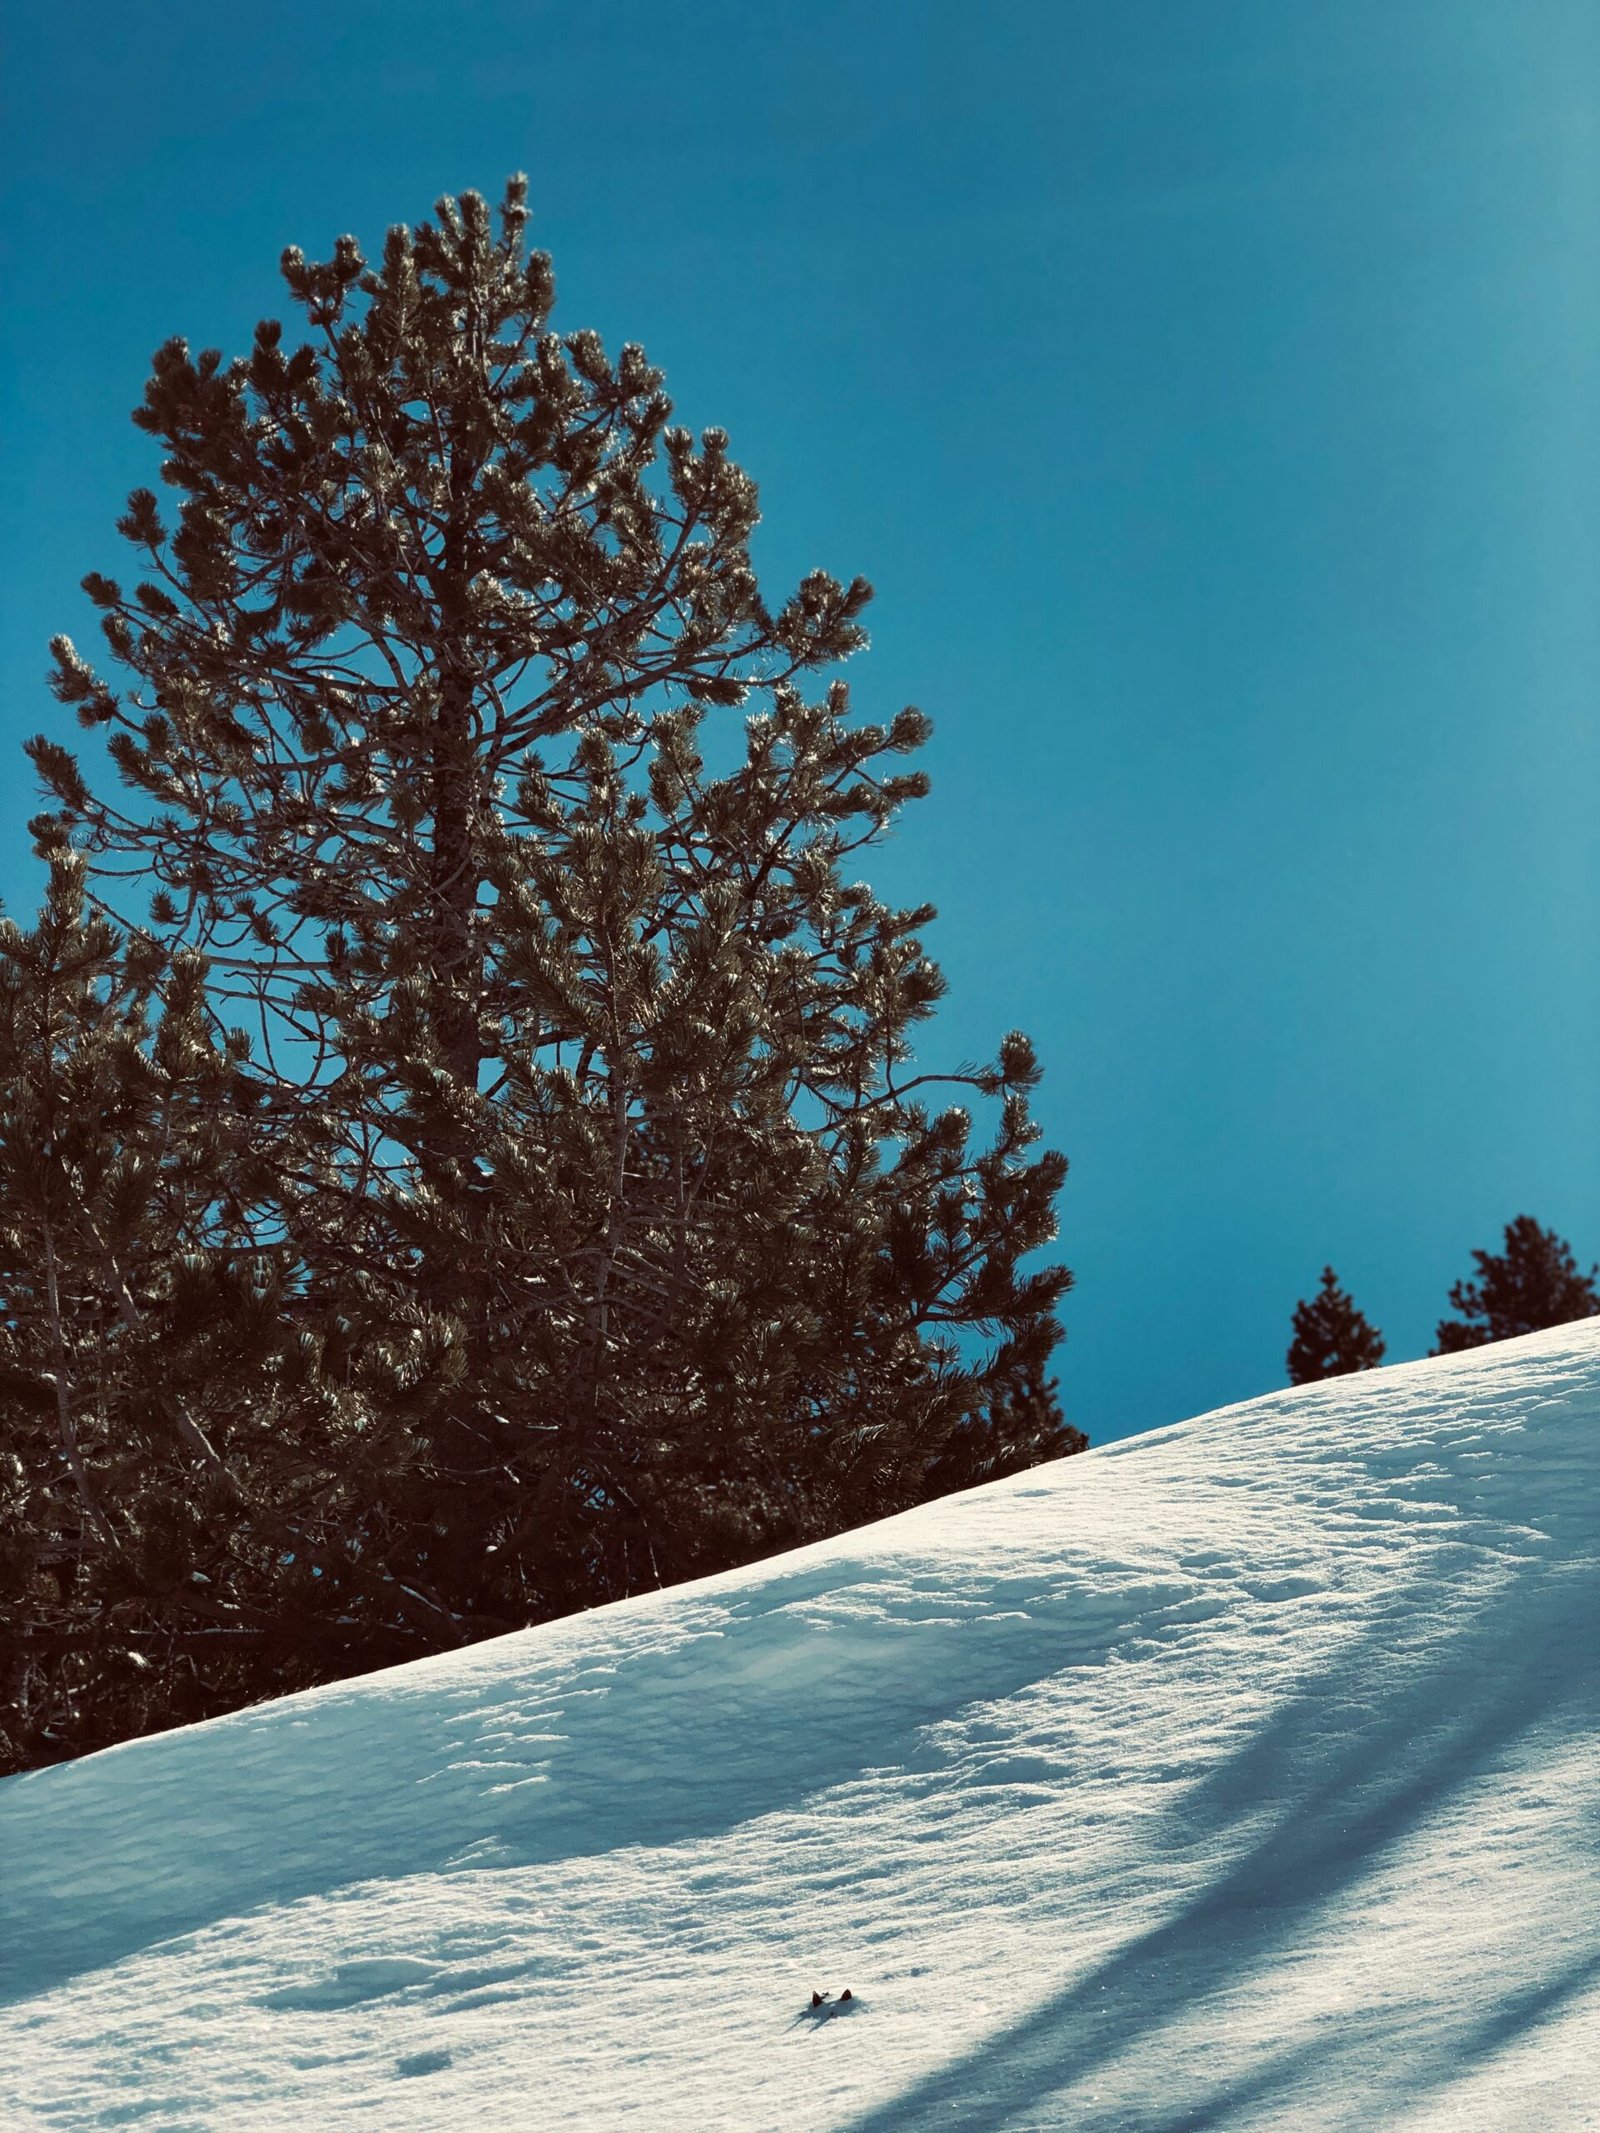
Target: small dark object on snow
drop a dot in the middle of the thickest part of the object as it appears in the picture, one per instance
(824, 2007)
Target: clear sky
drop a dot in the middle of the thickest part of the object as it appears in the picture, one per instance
(1210, 389)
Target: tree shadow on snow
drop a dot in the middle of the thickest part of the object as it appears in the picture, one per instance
(1371, 1751)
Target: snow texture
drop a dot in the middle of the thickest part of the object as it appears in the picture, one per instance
(1242, 1775)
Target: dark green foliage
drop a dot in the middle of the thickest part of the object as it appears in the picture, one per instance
(1331, 1337)
(583, 1150)
(1021, 1427)
(1533, 1283)
(173, 1458)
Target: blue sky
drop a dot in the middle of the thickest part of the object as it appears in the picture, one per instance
(1210, 390)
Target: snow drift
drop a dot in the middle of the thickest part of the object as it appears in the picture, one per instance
(1239, 1775)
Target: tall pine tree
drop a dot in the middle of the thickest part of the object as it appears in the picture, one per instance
(1533, 1283)
(1331, 1337)
(520, 830)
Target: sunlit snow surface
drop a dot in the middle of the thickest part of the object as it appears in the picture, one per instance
(1242, 1775)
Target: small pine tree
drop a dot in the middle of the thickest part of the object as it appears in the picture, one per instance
(1533, 1283)
(1331, 1337)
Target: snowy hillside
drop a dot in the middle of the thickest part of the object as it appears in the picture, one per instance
(1241, 1775)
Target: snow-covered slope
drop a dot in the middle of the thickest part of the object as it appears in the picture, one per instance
(1241, 1775)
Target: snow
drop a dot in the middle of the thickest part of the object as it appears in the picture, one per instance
(1239, 1775)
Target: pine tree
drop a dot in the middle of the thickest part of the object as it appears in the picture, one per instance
(1331, 1337)
(1533, 1283)
(456, 735)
